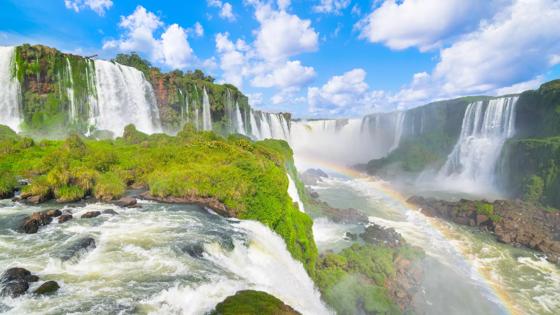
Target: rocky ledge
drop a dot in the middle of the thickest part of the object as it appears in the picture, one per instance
(513, 222)
(208, 202)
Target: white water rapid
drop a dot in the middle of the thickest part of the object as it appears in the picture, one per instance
(124, 97)
(146, 261)
(10, 94)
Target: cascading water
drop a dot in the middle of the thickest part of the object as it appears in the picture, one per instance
(294, 194)
(206, 114)
(348, 141)
(72, 110)
(240, 126)
(144, 262)
(486, 126)
(255, 130)
(10, 96)
(123, 97)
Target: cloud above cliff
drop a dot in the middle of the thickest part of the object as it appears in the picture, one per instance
(140, 28)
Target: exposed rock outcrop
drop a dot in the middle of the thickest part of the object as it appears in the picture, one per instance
(312, 176)
(47, 288)
(32, 223)
(15, 282)
(91, 214)
(513, 222)
(210, 202)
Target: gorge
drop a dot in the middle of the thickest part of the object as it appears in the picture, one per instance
(91, 131)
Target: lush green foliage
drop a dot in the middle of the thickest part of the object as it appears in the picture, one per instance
(252, 303)
(248, 177)
(8, 183)
(354, 280)
(487, 209)
(538, 112)
(530, 169)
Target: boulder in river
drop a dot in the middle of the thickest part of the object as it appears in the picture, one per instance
(48, 287)
(65, 217)
(126, 202)
(15, 282)
(32, 223)
(251, 302)
(194, 250)
(110, 212)
(378, 235)
(77, 248)
(91, 214)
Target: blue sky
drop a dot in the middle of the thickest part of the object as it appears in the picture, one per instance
(315, 58)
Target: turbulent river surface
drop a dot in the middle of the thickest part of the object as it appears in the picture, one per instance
(141, 263)
(465, 271)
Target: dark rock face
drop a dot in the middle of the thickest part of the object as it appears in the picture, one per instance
(77, 249)
(313, 176)
(378, 235)
(48, 287)
(110, 212)
(126, 202)
(314, 194)
(210, 202)
(194, 250)
(64, 218)
(513, 222)
(32, 223)
(15, 282)
(91, 214)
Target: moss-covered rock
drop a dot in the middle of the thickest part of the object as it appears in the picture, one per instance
(253, 303)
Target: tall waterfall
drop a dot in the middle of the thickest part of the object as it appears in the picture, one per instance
(206, 114)
(72, 110)
(124, 97)
(239, 120)
(486, 126)
(10, 96)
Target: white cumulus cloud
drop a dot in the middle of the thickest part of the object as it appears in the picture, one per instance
(331, 6)
(422, 23)
(171, 49)
(99, 6)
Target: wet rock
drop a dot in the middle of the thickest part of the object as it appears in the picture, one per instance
(91, 214)
(53, 213)
(15, 282)
(126, 202)
(32, 223)
(351, 236)
(48, 287)
(110, 212)
(378, 235)
(77, 249)
(312, 176)
(64, 218)
(194, 250)
(314, 194)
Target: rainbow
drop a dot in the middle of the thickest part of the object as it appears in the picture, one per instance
(385, 188)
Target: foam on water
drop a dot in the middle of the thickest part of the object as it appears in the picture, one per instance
(141, 262)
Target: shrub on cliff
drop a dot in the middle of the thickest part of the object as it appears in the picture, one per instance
(109, 187)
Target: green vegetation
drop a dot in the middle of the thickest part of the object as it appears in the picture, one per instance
(355, 280)
(487, 209)
(530, 169)
(249, 178)
(252, 303)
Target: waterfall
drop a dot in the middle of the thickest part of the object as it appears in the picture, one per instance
(255, 130)
(123, 97)
(485, 128)
(399, 123)
(294, 194)
(72, 110)
(10, 94)
(206, 114)
(239, 120)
